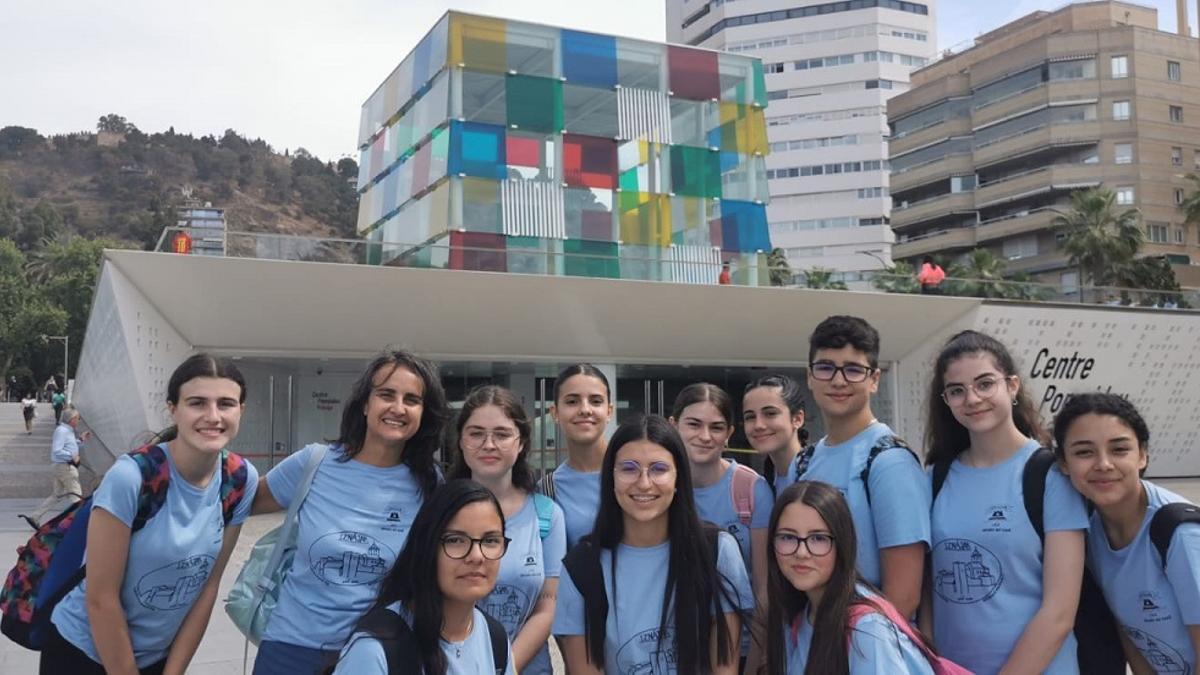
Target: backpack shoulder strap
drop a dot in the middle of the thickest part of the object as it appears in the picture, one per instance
(940, 471)
(1165, 520)
(741, 488)
(396, 637)
(546, 485)
(499, 643)
(802, 461)
(583, 564)
(885, 442)
(156, 477)
(545, 513)
(1033, 488)
(234, 475)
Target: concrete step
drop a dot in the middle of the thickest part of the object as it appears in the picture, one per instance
(25, 470)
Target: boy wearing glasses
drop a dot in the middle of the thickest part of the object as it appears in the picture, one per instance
(888, 492)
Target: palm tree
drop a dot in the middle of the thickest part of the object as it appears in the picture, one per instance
(899, 278)
(822, 278)
(1191, 205)
(778, 268)
(980, 275)
(1099, 238)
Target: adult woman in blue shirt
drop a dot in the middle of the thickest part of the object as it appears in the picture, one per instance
(493, 434)
(357, 513)
(1002, 601)
(1103, 442)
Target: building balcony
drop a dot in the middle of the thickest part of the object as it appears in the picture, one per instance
(935, 242)
(933, 209)
(1013, 225)
(1036, 264)
(1036, 97)
(940, 169)
(959, 126)
(1038, 139)
(1035, 182)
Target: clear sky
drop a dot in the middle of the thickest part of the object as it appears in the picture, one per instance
(293, 73)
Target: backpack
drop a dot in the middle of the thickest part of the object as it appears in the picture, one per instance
(400, 643)
(545, 513)
(1165, 520)
(50, 564)
(884, 442)
(1099, 645)
(741, 490)
(940, 664)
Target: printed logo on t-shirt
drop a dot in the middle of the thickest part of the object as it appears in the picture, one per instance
(645, 654)
(530, 561)
(174, 586)
(393, 517)
(966, 572)
(350, 559)
(1153, 608)
(506, 604)
(1161, 656)
(997, 519)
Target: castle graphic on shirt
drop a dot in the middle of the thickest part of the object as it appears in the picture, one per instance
(966, 571)
(646, 654)
(506, 604)
(350, 558)
(1161, 656)
(174, 586)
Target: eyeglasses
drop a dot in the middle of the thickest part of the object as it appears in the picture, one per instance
(458, 546)
(629, 471)
(477, 438)
(852, 372)
(818, 544)
(956, 394)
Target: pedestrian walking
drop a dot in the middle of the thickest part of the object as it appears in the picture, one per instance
(29, 410)
(64, 455)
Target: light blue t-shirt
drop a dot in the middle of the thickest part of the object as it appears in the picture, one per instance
(63, 445)
(363, 655)
(526, 565)
(1153, 607)
(714, 503)
(632, 629)
(578, 493)
(352, 526)
(877, 647)
(169, 561)
(987, 561)
(898, 513)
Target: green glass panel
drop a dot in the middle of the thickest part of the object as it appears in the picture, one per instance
(629, 180)
(760, 85)
(534, 103)
(695, 172)
(591, 259)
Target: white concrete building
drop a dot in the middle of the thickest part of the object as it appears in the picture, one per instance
(830, 68)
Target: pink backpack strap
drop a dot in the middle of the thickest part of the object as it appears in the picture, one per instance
(742, 489)
(859, 610)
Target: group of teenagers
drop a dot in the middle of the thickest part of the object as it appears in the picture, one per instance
(650, 551)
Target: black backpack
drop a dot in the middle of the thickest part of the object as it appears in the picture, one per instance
(1099, 649)
(884, 442)
(1165, 520)
(400, 643)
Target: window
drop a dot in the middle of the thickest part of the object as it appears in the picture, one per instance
(773, 68)
(1125, 195)
(1156, 233)
(1179, 236)
(1120, 110)
(962, 183)
(1177, 114)
(1120, 67)
(1174, 72)
(1123, 153)
(1020, 247)
(1196, 159)
(1176, 156)
(1073, 70)
(1178, 196)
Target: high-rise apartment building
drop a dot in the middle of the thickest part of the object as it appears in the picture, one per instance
(989, 141)
(830, 69)
(506, 146)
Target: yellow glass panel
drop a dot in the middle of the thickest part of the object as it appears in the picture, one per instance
(478, 42)
(649, 224)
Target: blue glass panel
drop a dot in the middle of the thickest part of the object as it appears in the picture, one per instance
(744, 226)
(477, 150)
(589, 59)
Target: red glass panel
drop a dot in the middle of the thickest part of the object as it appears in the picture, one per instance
(482, 251)
(589, 161)
(693, 73)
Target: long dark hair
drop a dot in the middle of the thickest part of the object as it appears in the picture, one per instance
(793, 398)
(700, 392)
(691, 569)
(828, 653)
(580, 369)
(413, 580)
(419, 451)
(945, 438)
(201, 364)
(510, 405)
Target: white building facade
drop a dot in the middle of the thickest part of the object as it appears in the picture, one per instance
(830, 69)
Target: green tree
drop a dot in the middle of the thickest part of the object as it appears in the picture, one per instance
(980, 275)
(1099, 238)
(899, 278)
(36, 224)
(1191, 205)
(822, 278)
(113, 122)
(1151, 273)
(15, 141)
(778, 268)
(27, 314)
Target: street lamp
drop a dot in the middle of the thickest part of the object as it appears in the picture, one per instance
(66, 340)
(882, 262)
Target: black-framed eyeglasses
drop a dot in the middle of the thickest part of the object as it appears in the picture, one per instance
(458, 546)
(852, 372)
(818, 544)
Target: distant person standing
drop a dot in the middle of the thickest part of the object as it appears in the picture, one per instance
(724, 278)
(29, 410)
(931, 277)
(51, 387)
(64, 454)
(59, 401)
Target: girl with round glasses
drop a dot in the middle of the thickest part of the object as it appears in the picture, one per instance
(651, 589)
(427, 609)
(1003, 598)
(493, 447)
(582, 408)
(818, 600)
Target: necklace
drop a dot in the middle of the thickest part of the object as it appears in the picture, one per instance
(459, 645)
